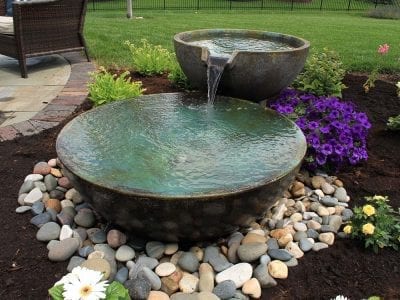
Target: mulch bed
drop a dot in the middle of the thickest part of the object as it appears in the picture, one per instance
(346, 268)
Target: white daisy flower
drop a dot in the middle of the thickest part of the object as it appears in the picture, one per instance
(340, 297)
(83, 284)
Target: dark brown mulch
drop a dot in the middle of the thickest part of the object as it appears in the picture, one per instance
(345, 268)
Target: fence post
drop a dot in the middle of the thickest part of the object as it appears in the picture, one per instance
(348, 6)
(291, 7)
(320, 5)
(129, 13)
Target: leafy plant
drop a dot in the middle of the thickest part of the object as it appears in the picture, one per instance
(177, 76)
(373, 76)
(322, 75)
(150, 59)
(116, 291)
(106, 87)
(336, 134)
(376, 223)
(394, 123)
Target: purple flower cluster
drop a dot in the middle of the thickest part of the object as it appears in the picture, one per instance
(336, 134)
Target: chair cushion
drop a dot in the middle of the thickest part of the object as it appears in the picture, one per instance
(6, 25)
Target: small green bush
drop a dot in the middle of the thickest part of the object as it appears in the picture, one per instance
(385, 12)
(394, 123)
(177, 76)
(106, 87)
(322, 75)
(150, 59)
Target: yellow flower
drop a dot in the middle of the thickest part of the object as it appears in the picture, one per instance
(347, 229)
(368, 228)
(379, 198)
(369, 210)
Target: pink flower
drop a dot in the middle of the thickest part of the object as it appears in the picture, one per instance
(383, 49)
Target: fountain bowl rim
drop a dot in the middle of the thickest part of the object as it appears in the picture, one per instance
(131, 192)
(178, 38)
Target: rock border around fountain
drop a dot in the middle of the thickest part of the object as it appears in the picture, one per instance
(250, 75)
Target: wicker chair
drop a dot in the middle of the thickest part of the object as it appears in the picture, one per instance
(42, 28)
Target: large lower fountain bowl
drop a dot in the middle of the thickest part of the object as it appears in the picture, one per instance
(262, 65)
(171, 167)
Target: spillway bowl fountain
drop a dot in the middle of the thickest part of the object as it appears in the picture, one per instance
(256, 64)
(171, 167)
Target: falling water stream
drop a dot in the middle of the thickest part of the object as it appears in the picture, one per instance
(221, 50)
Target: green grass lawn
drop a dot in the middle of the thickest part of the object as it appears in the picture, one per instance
(352, 35)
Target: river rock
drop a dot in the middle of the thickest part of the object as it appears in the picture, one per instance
(272, 243)
(206, 296)
(225, 289)
(64, 182)
(41, 219)
(206, 274)
(64, 249)
(85, 218)
(252, 288)
(33, 177)
(64, 219)
(264, 278)
(125, 253)
(254, 238)
(33, 196)
(115, 238)
(294, 250)
(74, 261)
(298, 226)
(280, 254)
(238, 273)
(305, 244)
(299, 235)
(319, 246)
(85, 251)
(311, 233)
(40, 185)
(122, 275)
(50, 182)
(98, 264)
(278, 269)
(327, 238)
(149, 262)
(151, 277)
(282, 242)
(54, 204)
(155, 249)
(327, 188)
(251, 251)
(335, 221)
(41, 168)
(189, 283)
(188, 262)
(341, 194)
(171, 248)
(139, 289)
(329, 201)
(66, 232)
(157, 295)
(165, 269)
(49, 231)
(317, 181)
(23, 209)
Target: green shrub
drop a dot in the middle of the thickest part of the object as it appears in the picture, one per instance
(150, 59)
(177, 76)
(385, 12)
(394, 123)
(375, 223)
(322, 75)
(106, 87)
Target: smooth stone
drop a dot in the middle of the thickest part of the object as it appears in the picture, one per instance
(115, 238)
(220, 263)
(40, 185)
(343, 204)
(291, 262)
(170, 284)
(155, 249)
(252, 251)
(165, 269)
(74, 261)
(54, 204)
(322, 211)
(207, 296)
(278, 269)
(33, 177)
(60, 188)
(298, 226)
(282, 242)
(157, 295)
(252, 288)
(56, 172)
(312, 224)
(64, 249)
(184, 296)
(26, 187)
(300, 207)
(96, 254)
(171, 248)
(33, 196)
(235, 237)
(327, 188)
(98, 264)
(263, 276)
(253, 238)
(294, 249)
(308, 215)
(41, 219)
(329, 201)
(188, 262)
(327, 238)
(151, 277)
(299, 235)
(125, 253)
(305, 245)
(50, 182)
(149, 262)
(347, 214)
(175, 257)
(49, 231)
(319, 193)
(296, 217)
(272, 243)
(139, 289)
(199, 252)
(340, 194)
(66, 203)
(21, 198)
(189, 283)
(206, 276)
(22, 209)
(279, 212)
(325, 220)
(56, 194)
(70, 211)
(51, 244)
(41, 168)
(225, 289)
(85, 218)
(85, 251)
(311, 233)
(81, 232)
(53, 214)
(122, 275)
(66, 232)
(239, 296)
(239, 273)
(265, 259)
(280, 254)
(209, 252)
(99, 237)
(327, 228)
(109, 253)
(232, 252)
(319, 246)
(317, 181)
(64, 182)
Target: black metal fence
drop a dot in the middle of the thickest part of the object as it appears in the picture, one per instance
(241, 4)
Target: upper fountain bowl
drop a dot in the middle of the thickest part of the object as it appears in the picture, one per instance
(259, 64)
